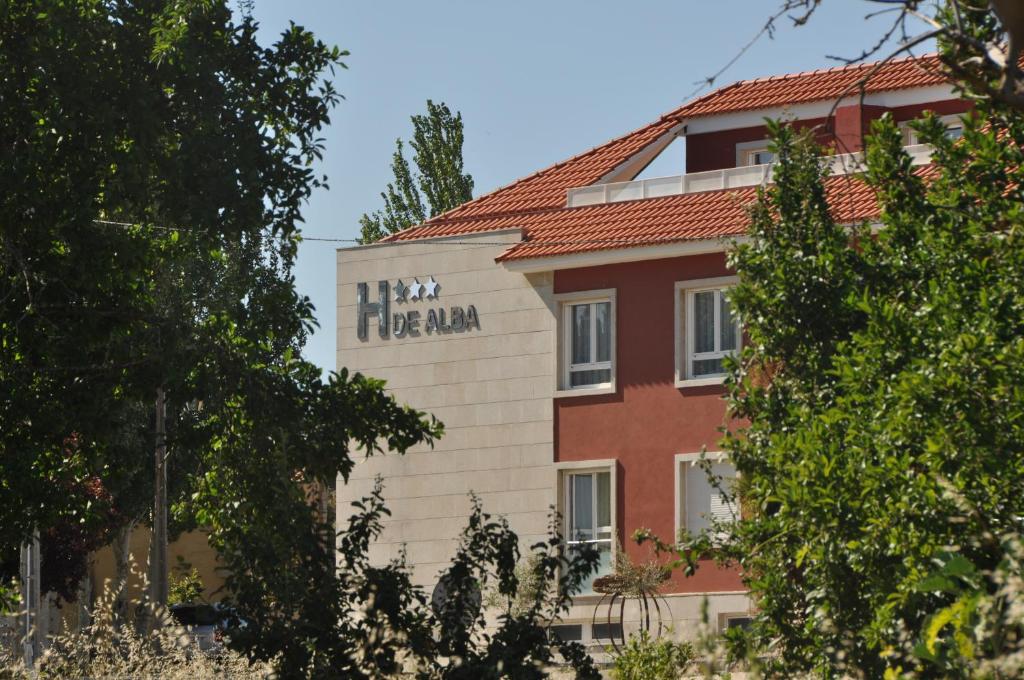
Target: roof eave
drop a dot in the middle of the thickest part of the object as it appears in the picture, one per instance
(596, 258)
(451, 239)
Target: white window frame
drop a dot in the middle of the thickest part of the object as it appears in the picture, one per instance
(563, 475)
(744, 150)
(725, 617)
(563, 343)
(567, 489)
(910, 137)
(684, 291)
(686, 464)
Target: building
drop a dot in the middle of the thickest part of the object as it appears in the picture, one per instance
(569, 329)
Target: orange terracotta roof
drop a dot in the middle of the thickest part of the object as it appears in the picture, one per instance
(546, 188)
(815, 86)
(648, 222)
(537, 203)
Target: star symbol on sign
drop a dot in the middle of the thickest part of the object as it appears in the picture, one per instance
(432, 286)
(400, 291)
(416, 288)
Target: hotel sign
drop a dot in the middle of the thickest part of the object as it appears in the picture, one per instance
(404, 323)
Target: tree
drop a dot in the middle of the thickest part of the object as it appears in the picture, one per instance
(155, 163)
(882, 456)
(880, 452)
(438, 183)
(983, 40)
(149, 141)
(155, 176)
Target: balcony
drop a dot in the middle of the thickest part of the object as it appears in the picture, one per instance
(713, 180)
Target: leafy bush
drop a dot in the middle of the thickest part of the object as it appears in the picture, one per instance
(880, 407)
(9, 596)
(645, 658)
(531, 586)
(186, 589)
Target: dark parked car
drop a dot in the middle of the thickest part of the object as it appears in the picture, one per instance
(206, 623)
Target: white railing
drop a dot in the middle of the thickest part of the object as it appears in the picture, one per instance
(713, 180)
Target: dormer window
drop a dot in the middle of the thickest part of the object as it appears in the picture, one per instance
(954, 130)
(753, 153)
(760, 157)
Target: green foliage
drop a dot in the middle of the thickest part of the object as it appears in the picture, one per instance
(978, 635)
(156, 162)
(881, 409)
(644, 658)
(884, 456)
(186, 588)
(530, 586)
(201, 138)
(10, 596)
(438, 183)
(362, 620)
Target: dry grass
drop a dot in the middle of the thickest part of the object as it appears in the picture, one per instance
(108, 650)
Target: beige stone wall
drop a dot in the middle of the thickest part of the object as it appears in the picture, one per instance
(681, 612)
(492, 388)
(190, 546)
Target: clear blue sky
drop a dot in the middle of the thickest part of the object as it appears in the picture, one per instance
(536, 82)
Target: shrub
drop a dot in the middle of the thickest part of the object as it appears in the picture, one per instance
(531, 587)
(186, 589)
(645, 658)
(107, 650)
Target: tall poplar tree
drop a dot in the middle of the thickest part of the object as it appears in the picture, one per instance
(438, 185)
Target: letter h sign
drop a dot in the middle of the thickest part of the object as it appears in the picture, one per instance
(365, 308)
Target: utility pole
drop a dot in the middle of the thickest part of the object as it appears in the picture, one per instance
(158, 546)
(31, 634)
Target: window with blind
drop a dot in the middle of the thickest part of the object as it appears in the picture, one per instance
(701, 503)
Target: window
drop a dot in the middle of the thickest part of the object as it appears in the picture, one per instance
(568, 632)
(727, 620)
(707, 503)
(606, 631)
(714, 332)
(742, 621)
(590, 344)
(954, 130)
(760, 157)
(599, 633)
(588, 516)
(706, 330)
(710, 332)
(587, 342)
(753, 153)
(700, 503)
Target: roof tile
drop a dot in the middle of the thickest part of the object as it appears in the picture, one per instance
(812, 86)
(536, 203)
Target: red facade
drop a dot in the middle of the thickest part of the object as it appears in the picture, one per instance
(648, 419)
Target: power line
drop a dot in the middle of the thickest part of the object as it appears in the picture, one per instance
(768, 28)
(133, 225)
(449, 241)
